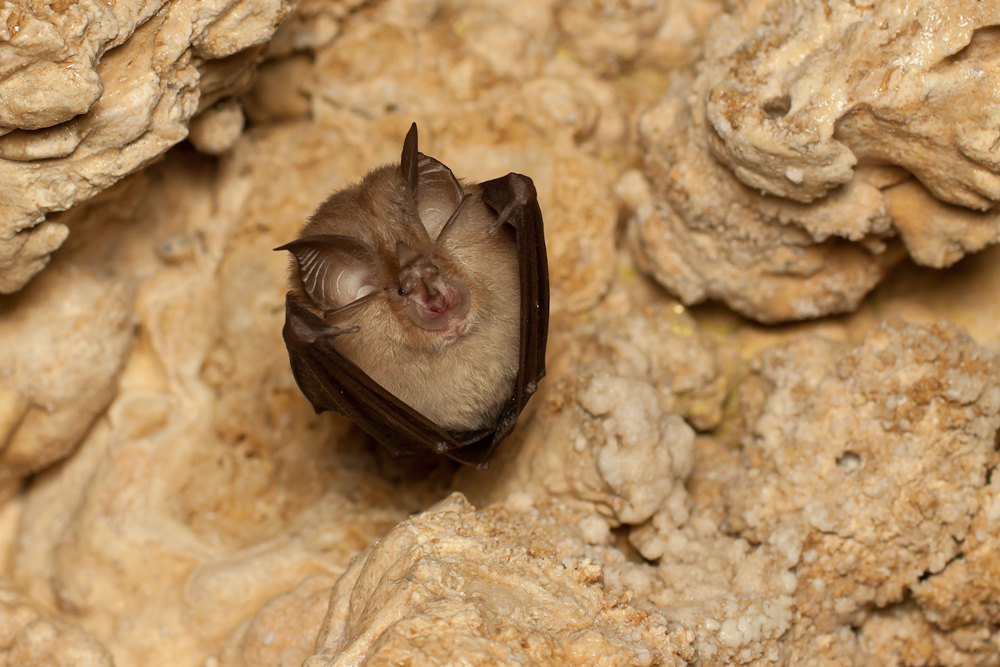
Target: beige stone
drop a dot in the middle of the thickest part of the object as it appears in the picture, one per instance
(186, 507)
(831, 86)
(32, 637)
(509, 585)
(705, 235)
(874, 460)
(65, 343)
(738, 598)
(312, 26)
(283, 631)
(780, 142)
(94, 91)
(936, 233)
(610, 37)
(610, 430)
(216, 130)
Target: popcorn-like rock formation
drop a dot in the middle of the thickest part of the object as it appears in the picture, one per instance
(875, 461)
(738, 598)
(513, 584)
(92, 91)
(910, 463)
(776, 163)
(610, 431)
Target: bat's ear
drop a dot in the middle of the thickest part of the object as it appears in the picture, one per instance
(434, 189)
(439, 195)
(336, 270)
(408, 161)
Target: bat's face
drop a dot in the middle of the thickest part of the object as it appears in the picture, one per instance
(436, 300)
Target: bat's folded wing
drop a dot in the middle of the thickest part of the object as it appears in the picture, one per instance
(515, 201)
(332, 382)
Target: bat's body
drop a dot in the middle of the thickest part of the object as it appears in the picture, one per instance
(461, 372)
(419, 282)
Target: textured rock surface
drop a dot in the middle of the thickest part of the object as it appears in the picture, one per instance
(65, 342)
(874, 462)
(610, 429)
(31, 637)
(770, 158)
(703, 234)
(737, 597)
(202, 515)
(515, 584)
(92, 91)
(905, 84)
(283, 631)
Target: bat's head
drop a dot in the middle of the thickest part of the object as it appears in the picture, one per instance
(418, 278)
(404, 260)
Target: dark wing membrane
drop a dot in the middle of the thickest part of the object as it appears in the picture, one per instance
(478, 450)
(515, 201)
(332, 382)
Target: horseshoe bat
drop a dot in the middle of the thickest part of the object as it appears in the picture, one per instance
(419, 306)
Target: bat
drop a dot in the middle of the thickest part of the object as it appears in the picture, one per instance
(419, 307)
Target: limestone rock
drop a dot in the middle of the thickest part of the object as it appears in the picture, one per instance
(94, 91)
(704, 234)
(770, 159)
(31, 637)
(610, 428)
(509, 585)
(283, 631)
(874, 461)
(65, 341)
(796, 126)
(737, 598)
(936, 233)
(216, 130)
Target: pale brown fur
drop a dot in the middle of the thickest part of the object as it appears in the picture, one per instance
(462, 383)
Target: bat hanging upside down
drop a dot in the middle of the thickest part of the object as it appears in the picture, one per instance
(419, 306)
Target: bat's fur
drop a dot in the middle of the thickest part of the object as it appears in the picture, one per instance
(461, 381)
